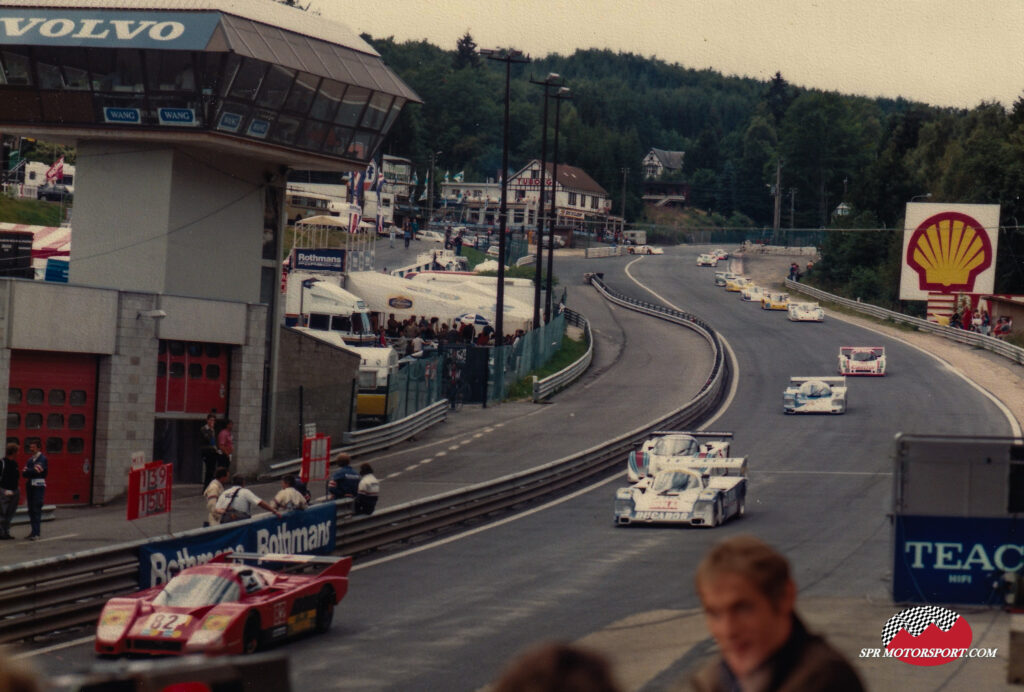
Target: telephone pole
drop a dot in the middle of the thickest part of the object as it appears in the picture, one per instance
(792, 194)
(625, 172)
(777, 219)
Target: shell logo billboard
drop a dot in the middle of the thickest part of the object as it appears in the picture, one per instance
(949, 248)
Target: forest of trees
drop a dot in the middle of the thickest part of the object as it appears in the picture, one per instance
(873, 154)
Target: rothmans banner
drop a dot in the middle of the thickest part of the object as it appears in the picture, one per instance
(949, 248)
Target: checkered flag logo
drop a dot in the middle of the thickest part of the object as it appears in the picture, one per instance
(916, 620)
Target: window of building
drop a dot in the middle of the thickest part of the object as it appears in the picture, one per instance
(275, 87)
(352, 105)
(572, 198)
(247, 80)
(302, 94)
(78, 397)
(55, 421)
(57, 397)
(593, 202)
(380, 105)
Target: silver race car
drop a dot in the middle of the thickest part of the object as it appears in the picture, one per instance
(815, 395)
(695, 492)
(675, 445)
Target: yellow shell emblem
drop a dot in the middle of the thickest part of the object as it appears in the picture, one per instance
(948, 251)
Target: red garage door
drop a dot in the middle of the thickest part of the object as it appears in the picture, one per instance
(52, 400)
(191, 377)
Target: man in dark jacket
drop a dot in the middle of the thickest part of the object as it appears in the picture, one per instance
(749, 597)
(9, 495)
(36, 469)
(344, 481)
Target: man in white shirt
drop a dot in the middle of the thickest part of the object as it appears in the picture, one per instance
(369, 489)
(288, 497)
(213, 492)
(238, 502)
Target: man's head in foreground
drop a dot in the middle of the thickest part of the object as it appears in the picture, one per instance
(748, 597)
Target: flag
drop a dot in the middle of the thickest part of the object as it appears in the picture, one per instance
(353, 222)
(370, 179)
(56, 171)
(356, 186)
(460, 176)
(378, 186)
(426, 187)
(445, 176)
(415, 180)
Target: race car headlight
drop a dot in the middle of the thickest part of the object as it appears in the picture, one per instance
(113, 622)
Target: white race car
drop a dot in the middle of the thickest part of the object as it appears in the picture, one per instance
(806, 312)
(720, 254)
(698, 492)
(862, 360)
(675, 445)
(646, 250)
(706, 260)
(722, 278)
(815, 395)
(752, 294)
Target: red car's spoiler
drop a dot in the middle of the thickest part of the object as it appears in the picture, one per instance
(328, 566)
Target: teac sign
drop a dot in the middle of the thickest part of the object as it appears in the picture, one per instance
(168, 30)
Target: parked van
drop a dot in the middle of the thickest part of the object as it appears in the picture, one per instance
(318, 305)
(377, 366)
(635, 237)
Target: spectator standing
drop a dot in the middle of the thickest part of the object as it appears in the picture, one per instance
(369, 489)
(208, 448)
(393, 326)
(344, 482)
(458, 244)
(289, 498)
(36, 470)
(748, 597)
(9, 493)
(212, 493)
(558, 668)
(238, 502)
(226, 442)
(407, 234)
(391, 235)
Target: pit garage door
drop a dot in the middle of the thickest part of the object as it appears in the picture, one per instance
(191, 377)
(52, 400)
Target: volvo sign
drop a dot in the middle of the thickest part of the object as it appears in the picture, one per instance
(108, 29)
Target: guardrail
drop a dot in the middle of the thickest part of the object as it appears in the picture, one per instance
(604, 251)
(989, 343)
(544, 388)
(55, 593)
(376, 438)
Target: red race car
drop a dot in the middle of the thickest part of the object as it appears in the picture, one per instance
(233, 604)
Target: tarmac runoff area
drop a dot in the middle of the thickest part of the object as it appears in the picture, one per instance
(675, 642)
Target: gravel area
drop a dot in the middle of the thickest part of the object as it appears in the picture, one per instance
(1001, 377)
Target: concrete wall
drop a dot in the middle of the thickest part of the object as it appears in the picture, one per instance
(122, 208)
(245, 398)
(327, 376)
(167, 219)
(214, 321)
(54, 317)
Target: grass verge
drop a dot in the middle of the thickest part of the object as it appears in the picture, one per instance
(570, 352)
(29, 211)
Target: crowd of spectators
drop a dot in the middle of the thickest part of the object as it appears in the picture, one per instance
(980, 321)
(414, 335)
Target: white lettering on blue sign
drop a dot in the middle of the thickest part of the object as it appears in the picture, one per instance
(1008, 557)
(229, 122)
(124, 29)
(177, 116)
(131, 116)
(258, 128)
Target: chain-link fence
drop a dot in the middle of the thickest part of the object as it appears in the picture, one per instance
(509, 364)
(416, 385)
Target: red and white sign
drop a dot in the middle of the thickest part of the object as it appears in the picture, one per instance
(149, 490)
(316, 458)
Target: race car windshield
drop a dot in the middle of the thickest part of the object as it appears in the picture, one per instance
(815, 389)
(865, 355)
(674, 481)
(194, 590)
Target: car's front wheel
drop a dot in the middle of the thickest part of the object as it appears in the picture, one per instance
(325, 609)
(251, 634)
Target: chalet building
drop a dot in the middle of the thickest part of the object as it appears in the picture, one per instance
(580, 203)
(479, 203)
(661, 187)
(399, 189)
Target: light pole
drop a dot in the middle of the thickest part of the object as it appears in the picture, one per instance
(563, 94)
(507, 56)
(430, 189)
(552, 79)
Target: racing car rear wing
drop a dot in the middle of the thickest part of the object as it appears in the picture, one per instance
(326, 565)
(833, 380)
(850, 349)
(691, 433)
(729, 466)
